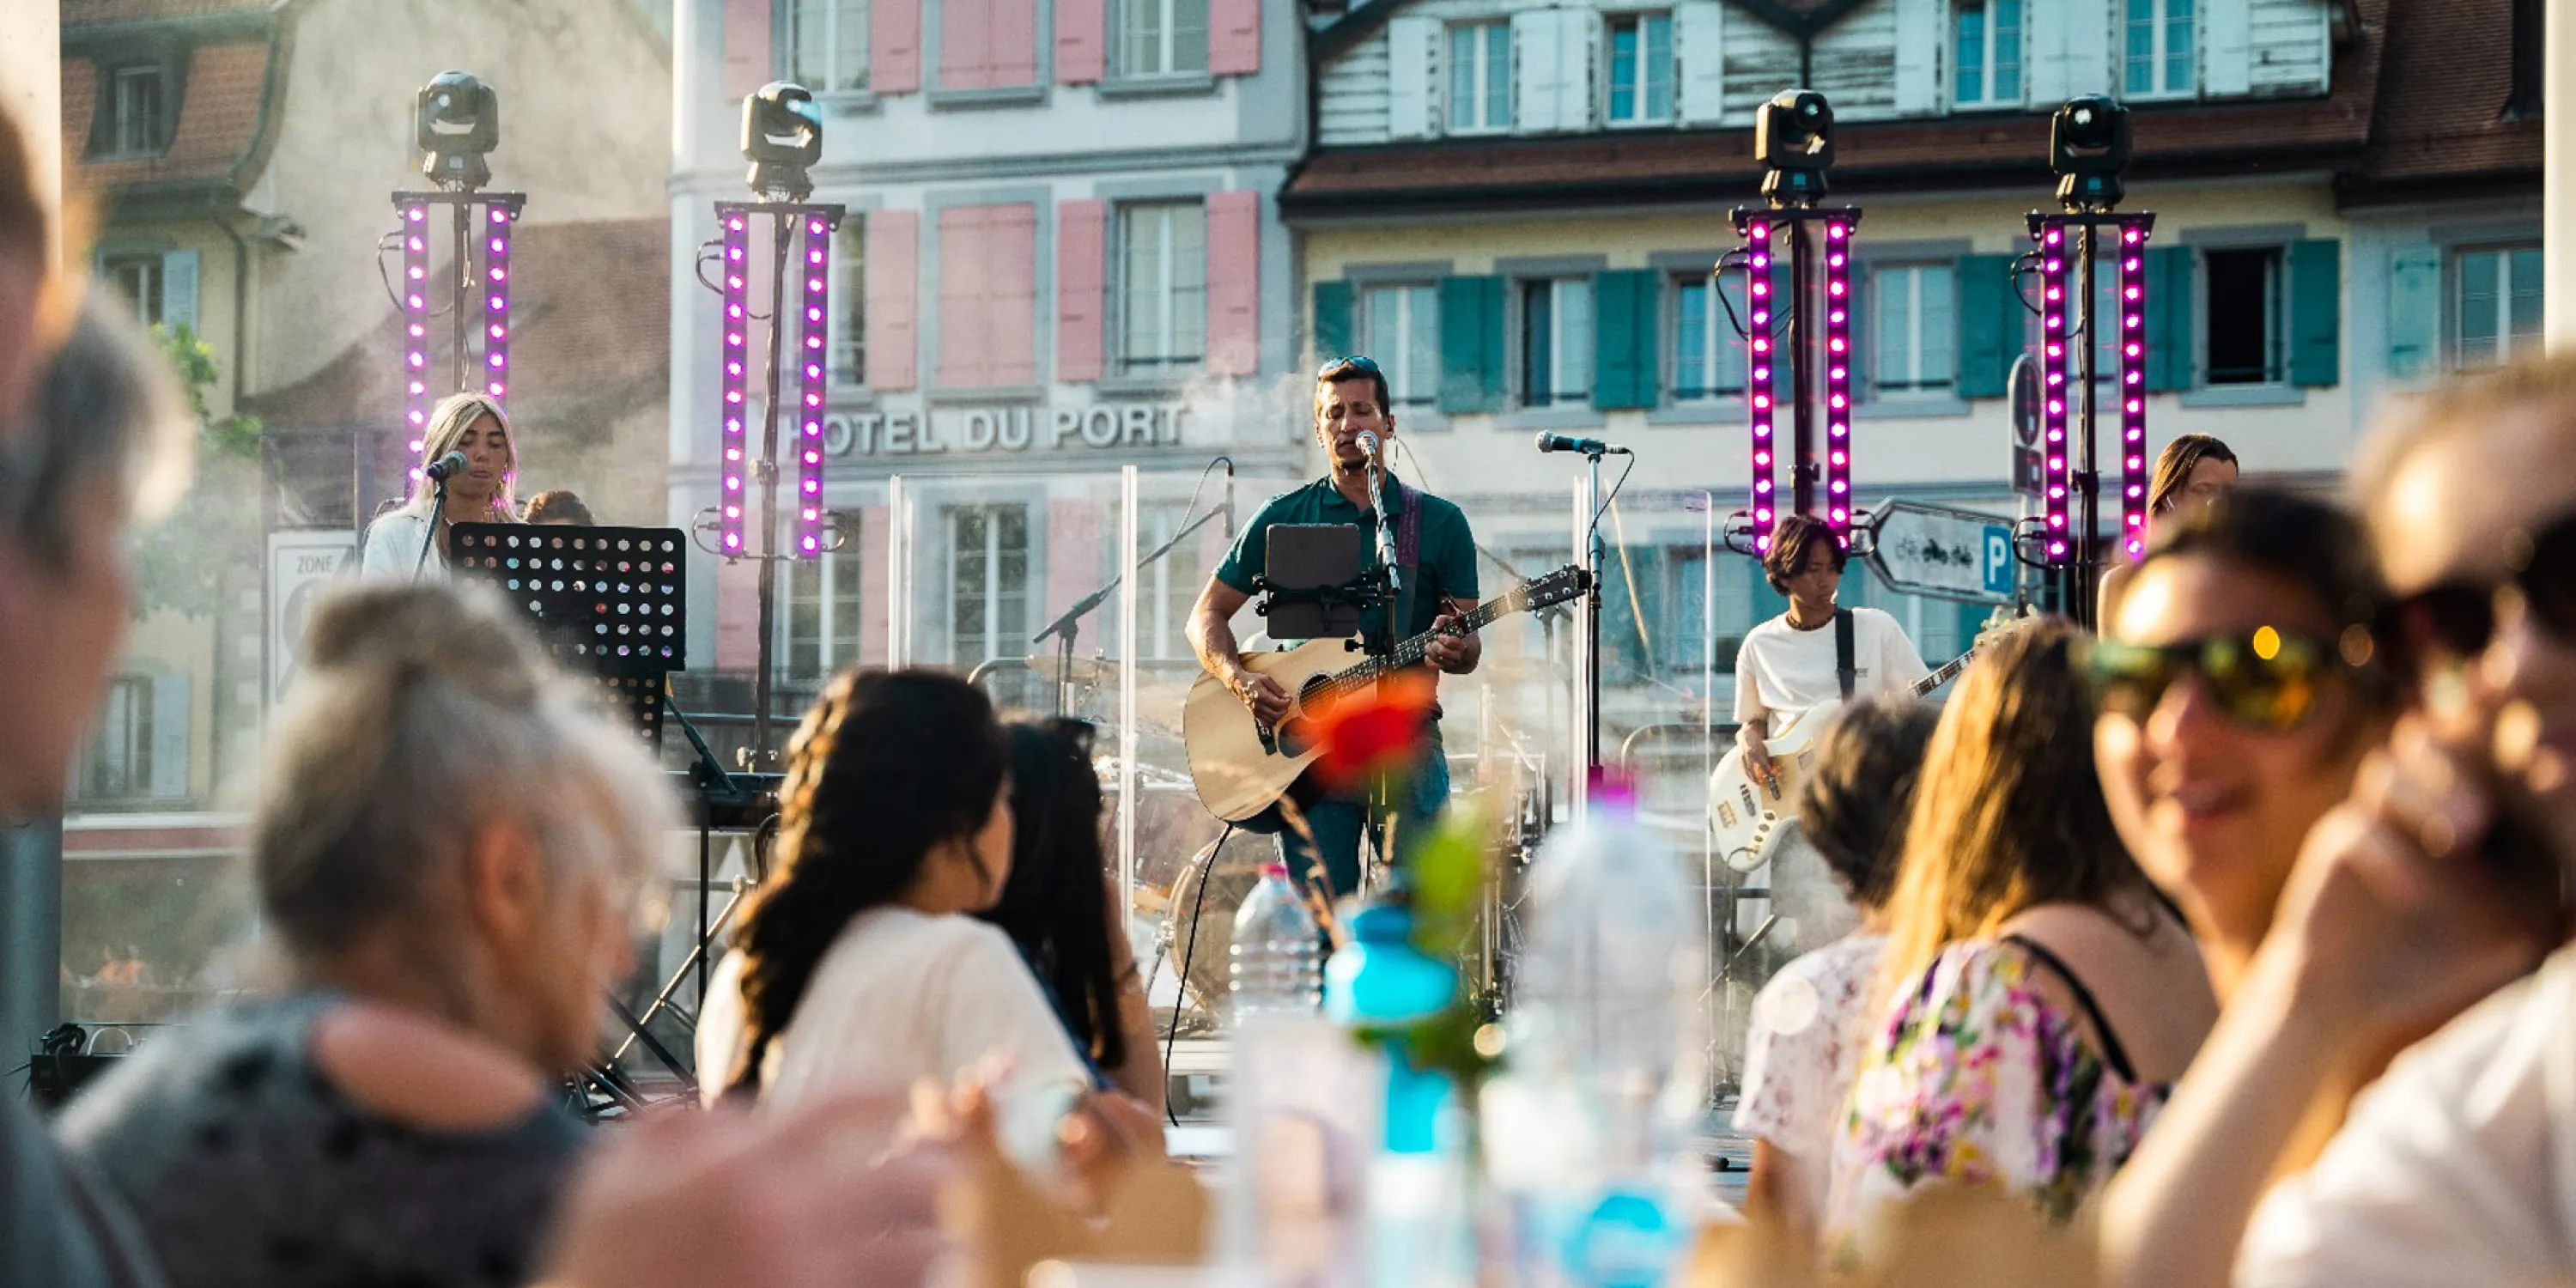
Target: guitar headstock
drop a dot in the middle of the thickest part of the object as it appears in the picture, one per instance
(2007, 620)
(1551, 589)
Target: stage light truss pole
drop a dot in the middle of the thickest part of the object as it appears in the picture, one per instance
(802, 232)
(2069, 314)
(1803, 346)
(480, 221)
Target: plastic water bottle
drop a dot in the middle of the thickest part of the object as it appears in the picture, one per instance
(1607, 1056)
(1420, 1231)
(1277, 966)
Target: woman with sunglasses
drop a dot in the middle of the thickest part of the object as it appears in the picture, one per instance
(2436, 882)
(2039, 997)
(2234, 706)
(1060, 910)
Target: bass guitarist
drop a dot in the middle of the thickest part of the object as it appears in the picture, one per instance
(1437, 558)
(1814, 653)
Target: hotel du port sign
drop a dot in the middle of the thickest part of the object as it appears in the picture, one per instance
(1002, 429)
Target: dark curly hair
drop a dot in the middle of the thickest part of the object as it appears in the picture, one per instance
(1054, 905)
(1789, 542)
(1853, 805)
(887, 766)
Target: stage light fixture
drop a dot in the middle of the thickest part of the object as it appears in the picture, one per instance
(1793, 141)
(456, 122)
(1758, 385)
(1838, 384)
(2132, 281)
(415, 315)
(2088, 147)
(496, 302)
(810, 515)
(737, 381)
(782, 138)
(2057, 308)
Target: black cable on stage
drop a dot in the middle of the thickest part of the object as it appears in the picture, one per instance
(1189, 951)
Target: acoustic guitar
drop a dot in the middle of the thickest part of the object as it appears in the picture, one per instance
(1242, 766)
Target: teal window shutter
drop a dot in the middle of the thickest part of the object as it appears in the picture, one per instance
(169, 751)
(1471, 344)
(2316, 313)
(1990, 325)
(1332, 320)
(2170, 359)
(1624, 364)
(179, 290)
(2414, 312)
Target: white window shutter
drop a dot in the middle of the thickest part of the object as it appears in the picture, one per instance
(170, 736)
(2228, 36)
(1537, 69)
(1918, 56)
(179, 289)
(2088, 45)
(2047, 72)
(1699, 46)
(1585, 38)
(2414, 312)
(1412, 92)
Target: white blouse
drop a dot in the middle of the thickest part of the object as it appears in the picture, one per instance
(1800, 1053)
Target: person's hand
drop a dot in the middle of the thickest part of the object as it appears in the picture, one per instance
(1269, 702)
(1103, 1140)
(1757, 754)
(1447, 650)
(805, 1199)
(2396, 917)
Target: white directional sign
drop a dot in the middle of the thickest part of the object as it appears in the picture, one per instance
(1952, 554)
(301, 566)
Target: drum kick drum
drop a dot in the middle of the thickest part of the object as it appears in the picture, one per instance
(1199, 929)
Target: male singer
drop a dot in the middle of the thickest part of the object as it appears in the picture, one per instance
(1436, 557)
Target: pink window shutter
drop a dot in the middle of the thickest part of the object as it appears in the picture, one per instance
(893, 298)
(1234, 37)
(966, 44)
(1081, 41)
(1081, 288)
(965, 259)
(1013, 290)
(1234, 283)
(1013, 53)
(894, 46)
(746, 47)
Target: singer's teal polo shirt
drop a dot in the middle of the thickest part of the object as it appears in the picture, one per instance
(1448, 556)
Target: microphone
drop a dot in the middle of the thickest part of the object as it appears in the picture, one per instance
(446, 467)
(1368, 443)
(1229, 500)
(1587, 446)
(1385, 522)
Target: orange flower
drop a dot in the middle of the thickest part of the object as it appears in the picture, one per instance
(1375, 733)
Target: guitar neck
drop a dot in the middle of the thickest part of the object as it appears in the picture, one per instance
(1410, 652)
(1943, 676)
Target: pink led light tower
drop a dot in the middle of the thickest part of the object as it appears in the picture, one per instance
(417, 399)
(1838, 360)
(2133, 386)
(809, 429)
(496, 302)
(734, 465)
(1757, 385)
(472, 291)
(2055, 391)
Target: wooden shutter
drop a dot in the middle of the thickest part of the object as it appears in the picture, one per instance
(894, 46)
(2414, 312)
(1234, 37)
(2316, 313)
(1332, 321)
(1918, 56)
(2227, 67)
(1234, 283)
(1990, 325)
(1081, 288)
(1011, 294)
(1471, 344)
(1012, 48)
(1538, 71)
(1081, 41)
(1699, 48)
(748, 39)
(179, 293)
(1624, 341)
(2171, 342)
(169, 751)
(1412, 91)
(893, 298)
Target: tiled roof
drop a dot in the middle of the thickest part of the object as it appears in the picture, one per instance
(219, 119)
(2182, 140)
(2443, 100)
(591, 321)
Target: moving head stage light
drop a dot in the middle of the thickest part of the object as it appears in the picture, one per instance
(2088, 146)
(457, 122)
(1793, 140)
(782, 136)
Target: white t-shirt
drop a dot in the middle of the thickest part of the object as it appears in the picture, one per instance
(901, 996)
(2457, 1167)
(1784, 671)
(393, 548)
(1800, 1053)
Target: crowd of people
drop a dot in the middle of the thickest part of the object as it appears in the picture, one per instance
(2228, 934)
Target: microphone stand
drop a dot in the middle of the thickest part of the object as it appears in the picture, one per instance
(1592, 625)
(1064, 628)
(437, 513)
(1382, 644)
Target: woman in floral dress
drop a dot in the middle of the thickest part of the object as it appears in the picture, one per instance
(2038, 996)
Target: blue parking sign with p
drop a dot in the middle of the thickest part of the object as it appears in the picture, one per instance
(2002, 576)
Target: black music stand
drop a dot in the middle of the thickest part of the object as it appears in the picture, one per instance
(1312, 584)
(612, 602)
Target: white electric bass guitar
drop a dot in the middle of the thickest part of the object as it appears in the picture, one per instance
(1749, 818)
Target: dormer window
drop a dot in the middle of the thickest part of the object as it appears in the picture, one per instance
(137, 111)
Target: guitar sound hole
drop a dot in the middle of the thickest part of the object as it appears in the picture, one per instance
(1293, 736)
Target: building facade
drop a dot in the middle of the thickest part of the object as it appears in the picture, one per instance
(1060, 257)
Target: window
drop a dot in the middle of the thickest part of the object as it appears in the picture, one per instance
(1641, 69)
(988, 583)
(849, 342)
(1708, 354)
(1556, 341)
(119, 763)
(1480, 77)
(1914, 336)
(1989, 53)
(2159, 48)
(2245, 316)
(1168, 588)
(1163, 38)
(137, 110)
(1162, 287)
(138, 278)
(1400, 328)
(2498, 305)
(827, 45)
(823, 609)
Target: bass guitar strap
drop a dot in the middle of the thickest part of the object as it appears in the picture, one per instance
(1845, 673)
